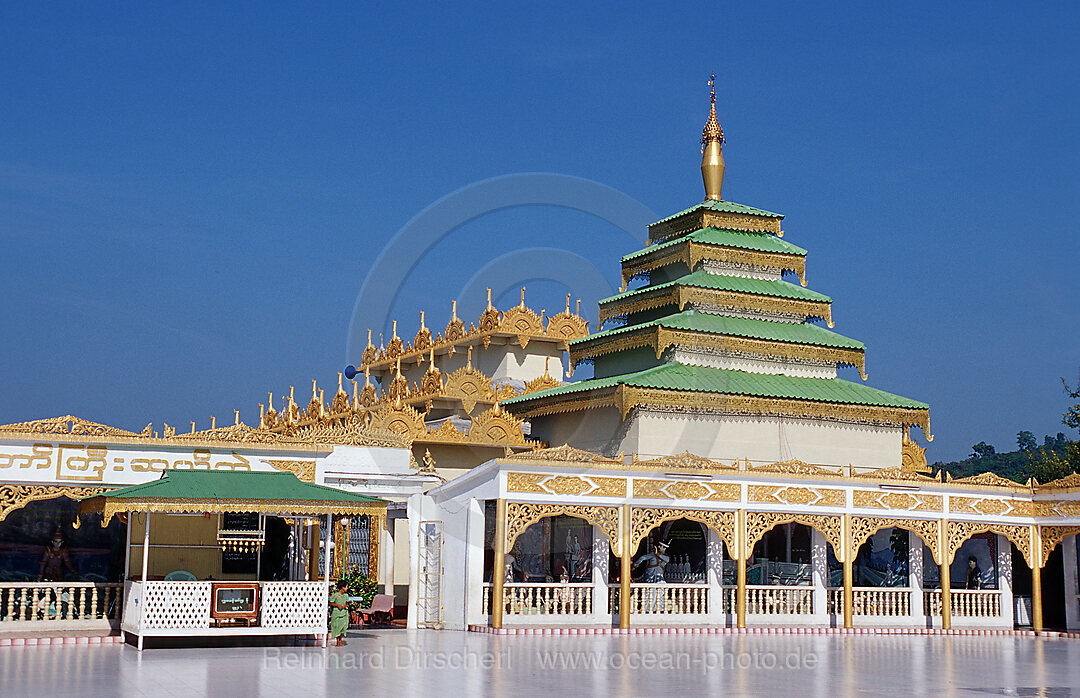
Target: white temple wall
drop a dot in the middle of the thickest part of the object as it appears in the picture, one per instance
(497, 361)
(598, 430)
(764, 439)
(692, 356)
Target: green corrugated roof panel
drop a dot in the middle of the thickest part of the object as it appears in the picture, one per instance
(762, 242)
(803, 333)
(703, 279)
(724, 207)
(224, 484)
(674, 376)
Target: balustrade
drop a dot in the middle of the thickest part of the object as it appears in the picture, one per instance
(669, 599)
(60, 601)
(555, 599)
(779, 600)
(966, 603)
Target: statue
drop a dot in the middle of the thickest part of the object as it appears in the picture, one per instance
(655, 563)
(55, 559)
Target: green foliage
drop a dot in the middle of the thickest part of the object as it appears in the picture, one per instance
(982, 450)
(1026, 441)
(360, 585)
(1021, 464)
(1071, 417)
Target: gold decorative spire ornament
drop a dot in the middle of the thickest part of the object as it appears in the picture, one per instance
(712, 149)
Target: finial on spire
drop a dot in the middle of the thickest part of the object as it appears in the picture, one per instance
(523, 297)
(712, 147)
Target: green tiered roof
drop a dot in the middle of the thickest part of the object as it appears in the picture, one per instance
(760, 242)
(703, 279)
(675, 376)
(804, 333)
(722, 207)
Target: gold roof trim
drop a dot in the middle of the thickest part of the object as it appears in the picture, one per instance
(692, 253)
(110, 508)
(681, 296)
(70, 425)
(987, 479)
(561, 454)
(519, 322)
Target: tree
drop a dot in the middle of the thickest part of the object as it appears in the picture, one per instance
(1046, 466)
(1026, 441)
(982, 450)
(1071, 416)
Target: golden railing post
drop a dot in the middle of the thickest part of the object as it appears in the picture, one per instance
(946, 579)
(849, 595)
(740, 569)
(499, 572)
(1036, 581)
(625, 563)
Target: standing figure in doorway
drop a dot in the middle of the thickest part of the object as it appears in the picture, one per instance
(55, 559)
(974, 575)
(655, 564)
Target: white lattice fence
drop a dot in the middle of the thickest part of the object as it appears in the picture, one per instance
(294, 605)
(176, 605)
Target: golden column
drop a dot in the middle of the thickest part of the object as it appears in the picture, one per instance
(625, 563)
(1036, 580)
(946, 579)
(499, 571)
(740, 569)
(849, 595)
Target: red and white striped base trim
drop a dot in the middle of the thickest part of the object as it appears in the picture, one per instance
(60, 641)
(769, 631)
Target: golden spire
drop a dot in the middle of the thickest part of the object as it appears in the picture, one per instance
(712, 149)
(422, 326)
(522, 297)
(468, 361)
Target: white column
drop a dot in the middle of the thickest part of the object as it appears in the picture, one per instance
(714, 577)
(915, 578)
(145, 564)
(1068, 559)
(819, 561)
(1005, 581)
(600, 559)
(474, 564)
(386, 556)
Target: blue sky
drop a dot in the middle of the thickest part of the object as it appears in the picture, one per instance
(191, 197)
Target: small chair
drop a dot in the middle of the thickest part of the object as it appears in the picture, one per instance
(382, 608)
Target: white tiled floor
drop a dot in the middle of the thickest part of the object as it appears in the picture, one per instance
(404, 663)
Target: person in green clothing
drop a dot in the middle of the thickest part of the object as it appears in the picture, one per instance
(339, 613)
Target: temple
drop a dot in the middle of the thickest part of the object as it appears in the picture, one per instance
(726, 465)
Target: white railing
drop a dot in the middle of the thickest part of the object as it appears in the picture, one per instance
(175, 607)
(966, 603)
(880, 602)
(669, 599)
(485, 604)
(555, 599)
(779, 600)
(293, 605)
(59, 601)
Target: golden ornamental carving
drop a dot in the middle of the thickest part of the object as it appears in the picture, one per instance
(526, 482)
(681, 296)
(607, 486)
(523, 323)
(626, 398)
(540, 382)
(650, 489)
(780, 494)
(403, 421)
(877, 499)
(793, 467)
(303, 469)
(497, 426)
(974, 505)
(470, 386)
(1050, 536)
(564, 453)
(567, 326)
(519, 516)
(912, 456)
(960, 531)
(67, 425)
(688, 490)
(863, 527)
(682, 489)
(684, 461)
(567, 484)
(704, 218)
(691, 253)
(1070, 481)
(759, 523)
(897, 472)
(13, 497)
(645, 519)
(989, 479)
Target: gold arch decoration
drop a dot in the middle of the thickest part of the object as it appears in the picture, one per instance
(685, 461)
(470, 386)
(929, 530)
(1050, 536)
(304, 470)
(545, 483)
(521, 515)
(403, 421)
(645, 519)
(69, 425)
(830, 526)
(13, 497)
(523, 323)
(960, 531)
